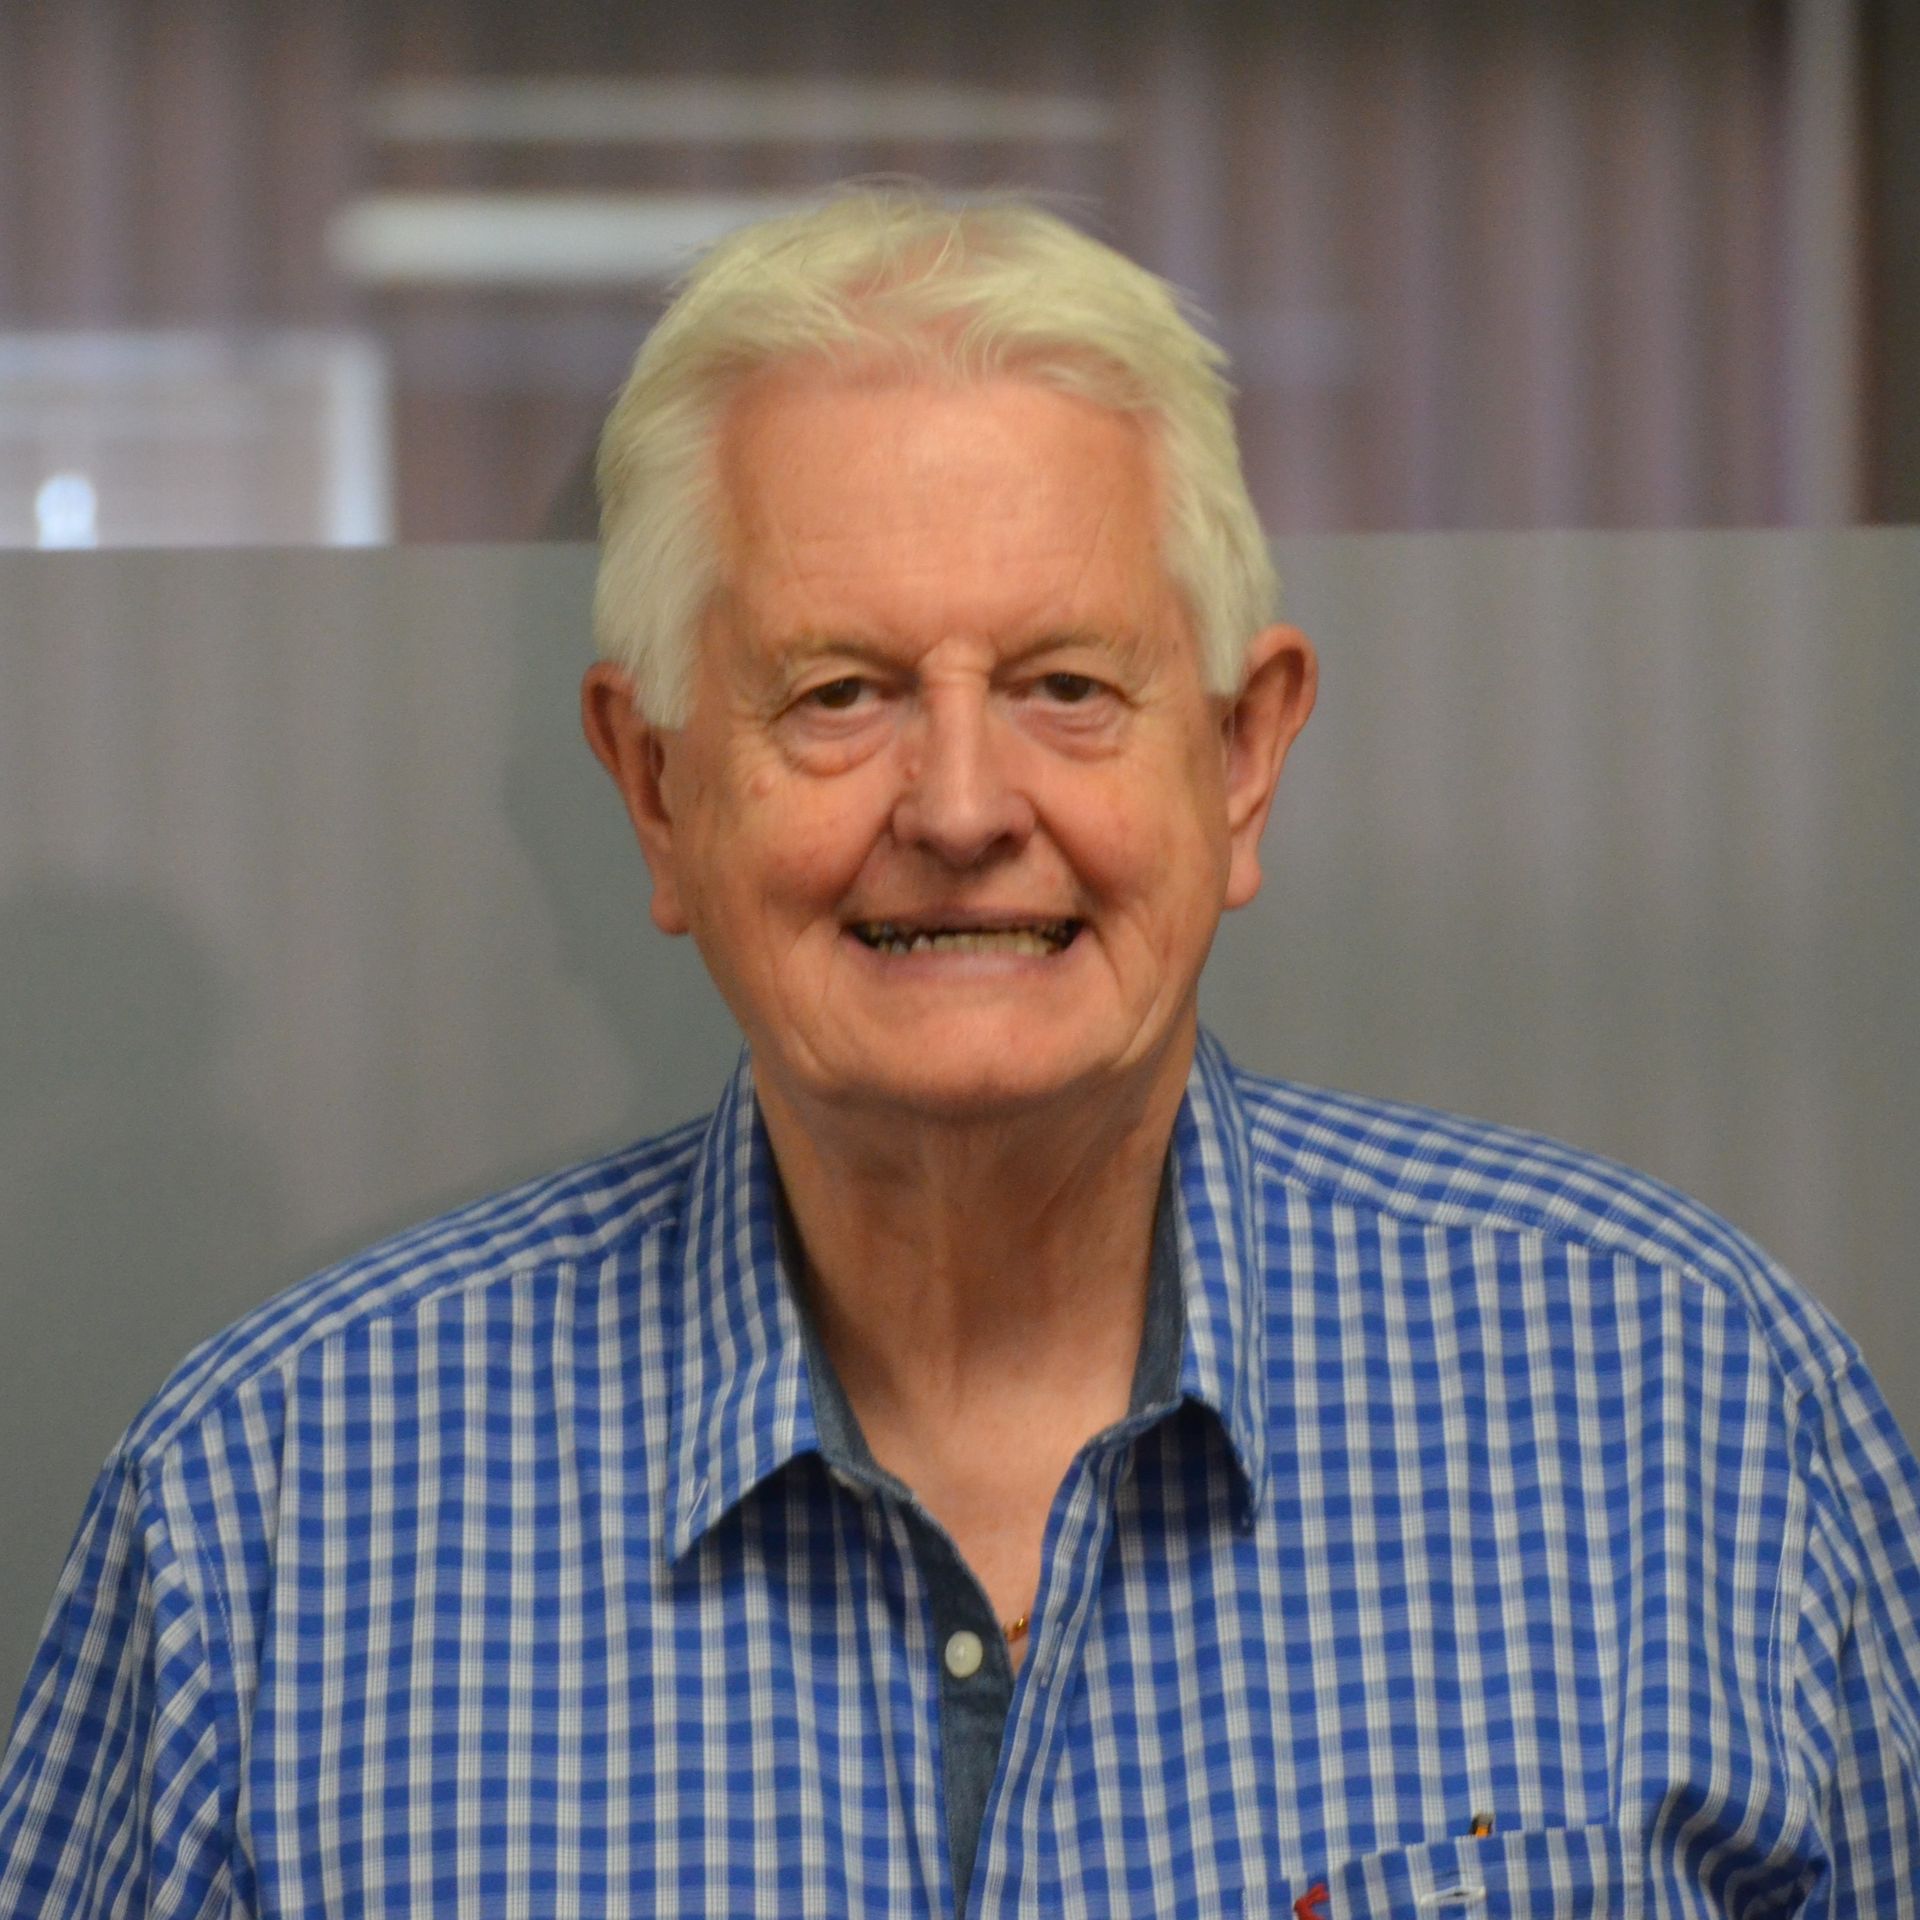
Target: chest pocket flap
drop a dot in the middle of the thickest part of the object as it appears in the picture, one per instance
(1565, 1873)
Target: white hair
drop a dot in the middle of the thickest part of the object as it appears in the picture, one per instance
(895, 278)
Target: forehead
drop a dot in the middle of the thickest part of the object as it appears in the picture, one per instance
(898, 502)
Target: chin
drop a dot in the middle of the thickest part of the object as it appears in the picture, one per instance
(988, 1083)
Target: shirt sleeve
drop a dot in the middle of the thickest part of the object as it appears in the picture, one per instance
(110, 1790)
(1858, 1682)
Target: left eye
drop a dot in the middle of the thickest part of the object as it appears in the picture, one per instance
(1069, 689)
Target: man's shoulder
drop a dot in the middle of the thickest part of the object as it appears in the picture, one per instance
(571, 1217)
(1453, 1172)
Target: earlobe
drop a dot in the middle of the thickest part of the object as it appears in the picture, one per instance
(634, 753)
(1274, 703)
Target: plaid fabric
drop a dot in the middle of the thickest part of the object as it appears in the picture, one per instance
(498, 1572)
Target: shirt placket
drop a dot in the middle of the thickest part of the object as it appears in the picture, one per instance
(1079, 1535)
(907, 1650)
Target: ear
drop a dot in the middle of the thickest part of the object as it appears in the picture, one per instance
(1283, 675)
(634, 753)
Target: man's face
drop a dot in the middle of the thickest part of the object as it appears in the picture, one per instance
(953, 817)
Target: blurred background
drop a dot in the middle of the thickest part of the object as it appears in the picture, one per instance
(363, 271)
(1579, 360)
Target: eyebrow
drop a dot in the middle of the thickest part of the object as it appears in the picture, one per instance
(783, 662)
(1069, 637)
(810, 645)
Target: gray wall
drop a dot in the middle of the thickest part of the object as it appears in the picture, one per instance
(315, 916)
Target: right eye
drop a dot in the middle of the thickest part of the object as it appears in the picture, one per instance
(835, 696)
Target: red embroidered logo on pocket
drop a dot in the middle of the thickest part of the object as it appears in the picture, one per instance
(1312, 1905)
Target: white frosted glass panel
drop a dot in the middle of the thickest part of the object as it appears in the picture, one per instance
(315, 915)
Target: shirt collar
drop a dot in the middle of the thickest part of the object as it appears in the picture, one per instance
(741, 1407)
(1222, 1264)
(745, 1400)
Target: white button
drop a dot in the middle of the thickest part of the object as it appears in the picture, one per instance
(964, 1654)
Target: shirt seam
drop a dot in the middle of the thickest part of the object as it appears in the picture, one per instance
(660, 1208)
(161, 1450)
(1445, 1213)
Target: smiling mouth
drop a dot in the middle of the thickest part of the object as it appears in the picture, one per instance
(1032, 937)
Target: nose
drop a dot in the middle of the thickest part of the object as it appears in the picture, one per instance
(960, 798)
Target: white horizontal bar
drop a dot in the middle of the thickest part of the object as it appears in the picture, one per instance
(537, 239)
(727, 112)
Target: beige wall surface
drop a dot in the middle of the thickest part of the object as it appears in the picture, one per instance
(315, 916)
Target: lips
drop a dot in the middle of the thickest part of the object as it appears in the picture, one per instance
(1035, 938)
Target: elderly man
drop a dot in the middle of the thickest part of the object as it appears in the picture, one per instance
(1005, 1460)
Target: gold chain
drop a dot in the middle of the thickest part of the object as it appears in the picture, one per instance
(1015, 1629)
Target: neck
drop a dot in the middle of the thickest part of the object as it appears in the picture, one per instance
(959, 1264)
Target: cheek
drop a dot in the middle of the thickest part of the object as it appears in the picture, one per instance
(1166, 872)
(1147, 837)
(815, 847)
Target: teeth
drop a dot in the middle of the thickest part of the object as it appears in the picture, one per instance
(1038, 940)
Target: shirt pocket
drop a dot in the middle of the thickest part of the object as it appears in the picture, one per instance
(1561, 1873)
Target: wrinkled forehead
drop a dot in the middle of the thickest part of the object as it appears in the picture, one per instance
(819, 452)
(995, 506)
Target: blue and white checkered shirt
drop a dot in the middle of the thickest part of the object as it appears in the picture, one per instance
(498, 1572)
